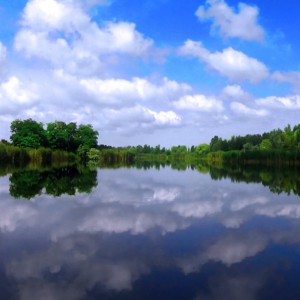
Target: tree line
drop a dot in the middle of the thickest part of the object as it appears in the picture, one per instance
(147, 149)
(276, 145)
(287, 139)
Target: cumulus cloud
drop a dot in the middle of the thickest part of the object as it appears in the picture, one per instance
(15, 91)
(165, 117)
(137, 89)
(230, 63)
(289, 102)
(241, 24)
(16, 94)
(242, 109)
(118, 104)
(140, 118)
(53, 15)
(62, 33)
(289, 77)
(199, 103)
(235, 92)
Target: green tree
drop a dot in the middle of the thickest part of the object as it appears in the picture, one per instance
(265, 145)
(28, 134)
(86, 137)
(146, 149)
(61, 135)
(215, 144)
(248, 147)
(157, 149)
(93, 154)
(202, 149)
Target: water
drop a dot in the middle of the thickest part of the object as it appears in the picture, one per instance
(131, 233)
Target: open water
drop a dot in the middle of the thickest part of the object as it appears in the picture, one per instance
(150, 233)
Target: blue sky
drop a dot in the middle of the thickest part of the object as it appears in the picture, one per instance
(156, 72)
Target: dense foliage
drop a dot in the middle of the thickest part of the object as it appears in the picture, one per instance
(28, 134)
(57, 135)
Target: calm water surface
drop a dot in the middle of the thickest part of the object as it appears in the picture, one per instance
(147, 234)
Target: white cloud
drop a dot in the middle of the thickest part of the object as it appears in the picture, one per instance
(13, 215)
(288, 102)
(199, 103)
(241, 109)
(233, 222)
(116, 90)
(291, 210)
(241, 24)
(53, 15)
(198, 209)
(229, 250)
(115, 272)
(230, 63)
(38, 44)
(289, 77)
(165, 117)
(14, 91)
(114, 106)
(115, 37)
(140, 118)
(165, 195)
(232, 249)
(240, 204)
(235, 92)
(62, 33)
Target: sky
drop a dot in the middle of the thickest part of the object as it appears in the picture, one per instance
(151, 71)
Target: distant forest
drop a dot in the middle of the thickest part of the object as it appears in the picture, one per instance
(286, 139)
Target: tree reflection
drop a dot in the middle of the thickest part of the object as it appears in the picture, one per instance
(68, 180)
(72, 180)
(278, 180)
(26, 184)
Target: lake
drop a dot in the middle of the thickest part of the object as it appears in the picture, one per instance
(150, 233)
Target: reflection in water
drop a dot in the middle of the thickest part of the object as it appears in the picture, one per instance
(279, 180)
(155, 234)
(67, 180)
